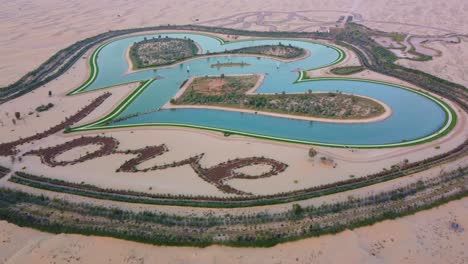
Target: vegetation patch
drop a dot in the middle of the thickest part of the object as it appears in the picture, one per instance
(43, 108)
(398, 37)
(230, 91)
(278, 51)
(259, 229)
(347, 70)
(358, 38)
(165, 51)
(214, 86)
(161, 51)
(229, 64)
(420, 56)
(4, 171)
(48, 155)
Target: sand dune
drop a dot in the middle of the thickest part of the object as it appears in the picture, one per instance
(34, 30)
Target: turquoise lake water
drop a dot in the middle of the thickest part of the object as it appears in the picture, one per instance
(414, 116)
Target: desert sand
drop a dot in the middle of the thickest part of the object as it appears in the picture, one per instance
(426, 237)
(32, 31)
(450, 64)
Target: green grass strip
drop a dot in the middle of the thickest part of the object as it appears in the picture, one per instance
(119, 109)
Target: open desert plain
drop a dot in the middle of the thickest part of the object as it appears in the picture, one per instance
(233, 131)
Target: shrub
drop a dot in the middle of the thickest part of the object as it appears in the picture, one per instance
(43, 108)
(297, 209)
(312, 152)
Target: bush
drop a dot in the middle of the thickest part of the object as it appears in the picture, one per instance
(43, 108)
(297, 209)
(347, 70)
(312, 152)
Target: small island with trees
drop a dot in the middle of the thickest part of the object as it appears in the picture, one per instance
(229, 64)
(236, 92)
(277, 51)
(163, 51)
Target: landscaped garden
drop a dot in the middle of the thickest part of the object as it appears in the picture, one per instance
(278, 51)
(347, 70)
(230, 91)
(161, 51)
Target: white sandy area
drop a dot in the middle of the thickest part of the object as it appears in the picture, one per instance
(254, 170)
(416, 17)
(388, 42)
(451, 65)
(403, 54)
(64, 106)
(425, 237)
(76, 153)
